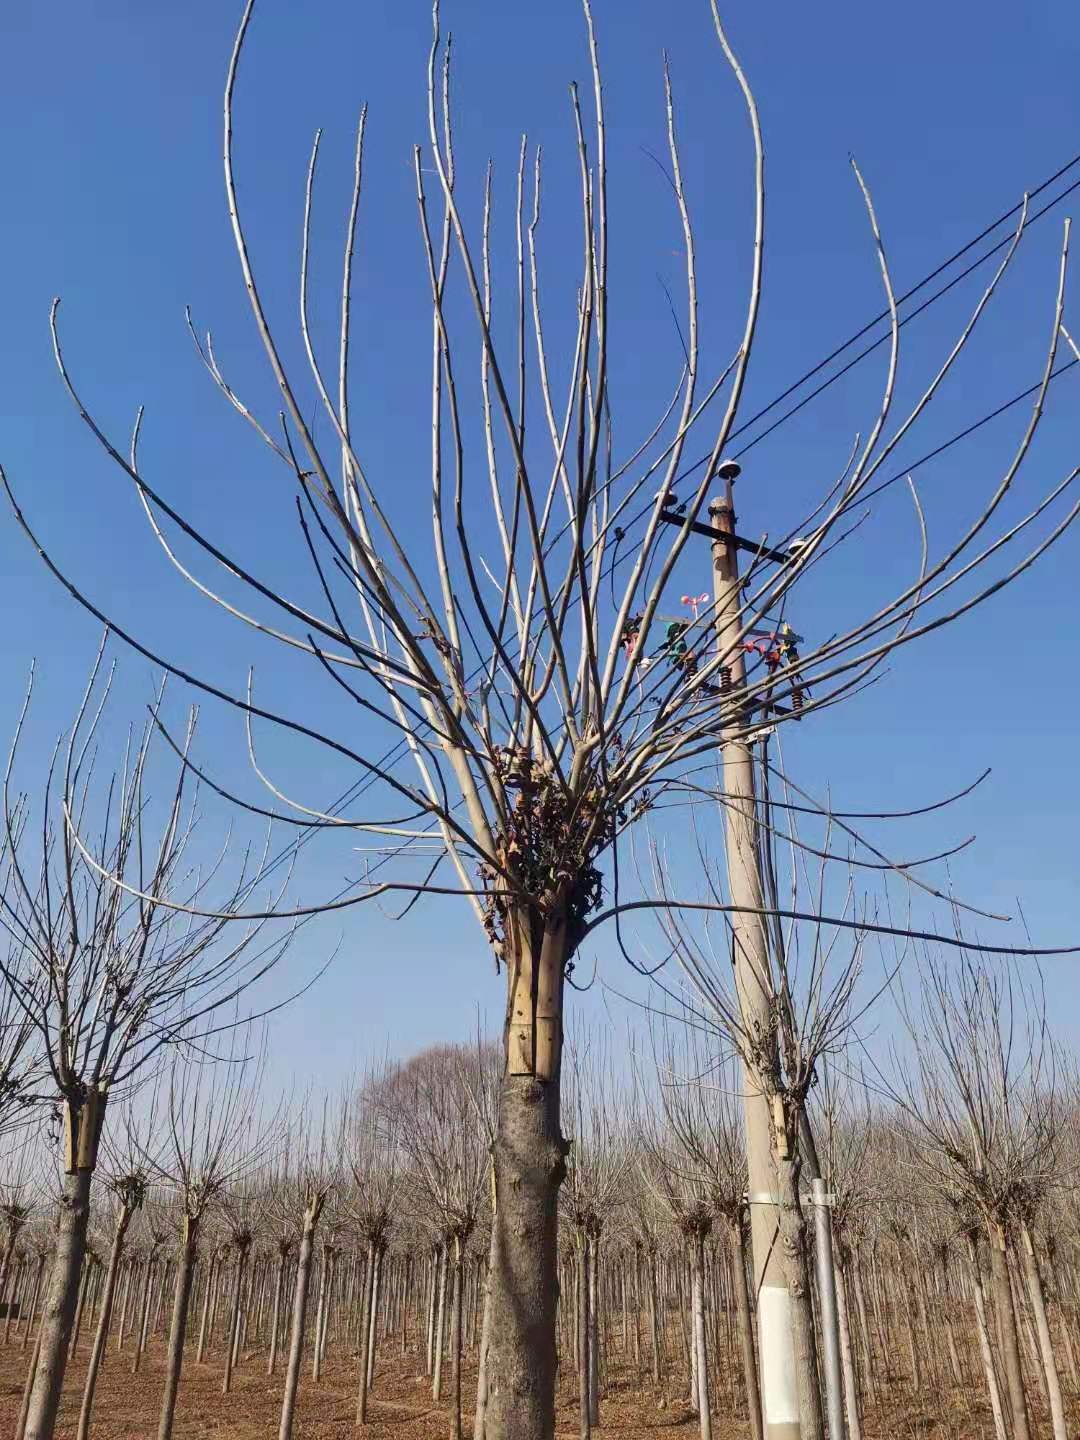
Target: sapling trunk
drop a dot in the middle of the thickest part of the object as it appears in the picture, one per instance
(279, 1289)
(1033, 1280)
(480, 1416)
(373, 1318)
(456, 1339)
(584, 1410)
(320, 1316)
(144, 1321)
(130, 1282)
(697, 1307)
(365, 1334)
(28, 1388)
(208, 1303)
(174, 1358)
(745, 1322)
(1008, 1332)
(80, 1304)
(58, 1313)
(440, 1327)
(594, 1329)
(985, 1351)
(299, 1317)
(233, 1337)
(847, 1359)
(34, 1301)
(7, 1293)
(102, 1335)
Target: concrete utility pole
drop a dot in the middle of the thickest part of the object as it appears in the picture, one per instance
(754, 986)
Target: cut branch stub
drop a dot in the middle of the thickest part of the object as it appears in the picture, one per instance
(83, 1119)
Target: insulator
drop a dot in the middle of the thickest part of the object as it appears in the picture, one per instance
(796, 699)
(725, 679)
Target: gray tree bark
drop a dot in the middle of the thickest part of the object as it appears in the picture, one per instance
(456, 1339)
(365, 1334)
(745, 1323)
(440, 1324)
(1007, 1330)
(174, 1358)
(985, 1352)
(296, 1338)
(583, 1336)
(480, 1417)
(792, 1241)
(279, 1294)
(104, 1320)
(1033, 1280)
(58, 1314)
(697, 1306)
(530, 1163)
(847, 1360)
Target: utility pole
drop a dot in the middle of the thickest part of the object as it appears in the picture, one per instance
(754, 986)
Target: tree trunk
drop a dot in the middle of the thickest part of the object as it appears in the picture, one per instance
(365, 1334)
(373, 1333)
(654, 1317)
(104, 1319)
(131, 1282)
(20, 1429)
(983, 1329)
(7, 1293)
(174, 1357)
(847, 1360)
(440, 1326)
(279, 1292)
(80, 1304)
(637, 1311)
(792, 1241)
(58, 1313)
(144, 1320)
(299, 1317)
(320, 1315)
(1042, 1328)
(744, 1319)
(233, 1336)
(480, 1417)
(583, 1337)
(455, 1320)
(35, 1299)
(1007, 1331)
(594, 1328)
(697, 1307)
(529, 1161)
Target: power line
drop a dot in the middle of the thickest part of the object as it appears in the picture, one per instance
(391, 756)
(926, 280)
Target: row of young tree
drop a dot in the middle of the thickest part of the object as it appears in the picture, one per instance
(363, 1225)
(514, 660)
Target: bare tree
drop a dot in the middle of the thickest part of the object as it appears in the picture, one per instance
(976, 1082)
(696, 1163)
(374, 1160)
(216, 1134)
(311, 1170)
(126, 1182)
(110, 979)
(532, 696)
(598, 1161)
(440, 1105)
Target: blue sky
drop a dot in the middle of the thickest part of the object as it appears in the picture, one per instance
(112, 183)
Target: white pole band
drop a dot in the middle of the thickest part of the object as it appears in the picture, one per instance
(778, 1380)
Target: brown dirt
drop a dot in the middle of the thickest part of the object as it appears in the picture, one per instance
(401, 1408)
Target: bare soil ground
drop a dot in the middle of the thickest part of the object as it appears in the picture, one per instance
(401, 1408)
